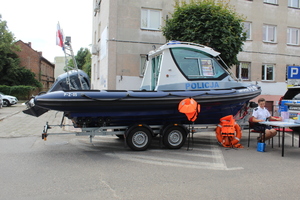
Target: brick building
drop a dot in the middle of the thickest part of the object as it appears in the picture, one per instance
(34, 61)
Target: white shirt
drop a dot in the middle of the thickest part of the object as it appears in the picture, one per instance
(261, 113)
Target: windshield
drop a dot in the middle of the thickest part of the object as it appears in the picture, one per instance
(297, 97)
(197, 65)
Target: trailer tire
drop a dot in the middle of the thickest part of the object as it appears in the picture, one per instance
(174, 137)
(139, 138)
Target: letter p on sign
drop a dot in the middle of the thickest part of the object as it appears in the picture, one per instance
(294, 72)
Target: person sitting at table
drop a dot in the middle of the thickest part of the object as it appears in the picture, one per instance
(261, 114)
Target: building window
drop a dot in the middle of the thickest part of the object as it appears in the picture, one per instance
(269, 33)
(267, 72)
(243, 71)
(270, 1)
(247, 29)
(143, 62)
(294, 3)
(293, 36)
(150, 19)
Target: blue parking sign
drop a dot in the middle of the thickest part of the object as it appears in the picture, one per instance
(293, 72)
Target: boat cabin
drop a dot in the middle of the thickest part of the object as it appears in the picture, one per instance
(184, 66)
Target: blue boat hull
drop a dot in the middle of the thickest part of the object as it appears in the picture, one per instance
(154, 115)
(102, 108)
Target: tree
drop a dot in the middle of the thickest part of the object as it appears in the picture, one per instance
(87, 64)
(8, 57)
(83, 60)
(207, 22)
(10, 71)
(21, 76)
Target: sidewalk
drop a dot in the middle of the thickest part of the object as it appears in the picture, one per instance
(14, 123)
(11, 110)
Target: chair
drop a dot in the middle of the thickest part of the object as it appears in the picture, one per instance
(261, 133)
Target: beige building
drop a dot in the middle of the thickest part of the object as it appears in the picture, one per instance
(60, 63)
(124, 31)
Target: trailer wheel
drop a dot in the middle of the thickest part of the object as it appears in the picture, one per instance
(139, 138)
(174, 137)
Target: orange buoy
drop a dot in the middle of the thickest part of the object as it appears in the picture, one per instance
(190, 108)
(228, 132)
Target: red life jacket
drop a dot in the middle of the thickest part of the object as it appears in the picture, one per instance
(190, 108)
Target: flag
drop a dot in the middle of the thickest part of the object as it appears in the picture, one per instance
(59, 37)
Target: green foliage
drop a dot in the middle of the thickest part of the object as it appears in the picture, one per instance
(87, 65)
(8, 57)
(11, 73)
(20, 91)
(21, 76)
(83, 60)
(80, 58)
(208, 22)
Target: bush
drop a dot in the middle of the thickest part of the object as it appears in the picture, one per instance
(19, 91)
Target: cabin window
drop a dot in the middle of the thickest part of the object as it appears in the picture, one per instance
(156, 62)
(197, 64)
(143, 62)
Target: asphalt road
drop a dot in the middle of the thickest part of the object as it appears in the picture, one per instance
(70, 167)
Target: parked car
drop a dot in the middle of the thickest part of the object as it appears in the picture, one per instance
(292, 95)
(8, 100)
(1, 101)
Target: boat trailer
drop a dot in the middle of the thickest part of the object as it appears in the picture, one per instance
(138, 137)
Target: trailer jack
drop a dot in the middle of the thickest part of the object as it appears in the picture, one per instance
(44, 134)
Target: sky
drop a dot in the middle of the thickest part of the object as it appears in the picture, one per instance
(36, 21)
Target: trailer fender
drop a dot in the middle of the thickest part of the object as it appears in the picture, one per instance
(137, 125)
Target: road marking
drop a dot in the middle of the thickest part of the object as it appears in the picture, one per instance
(215, 160)
(204, 154)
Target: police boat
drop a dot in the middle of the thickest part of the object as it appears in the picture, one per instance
(175, 71)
